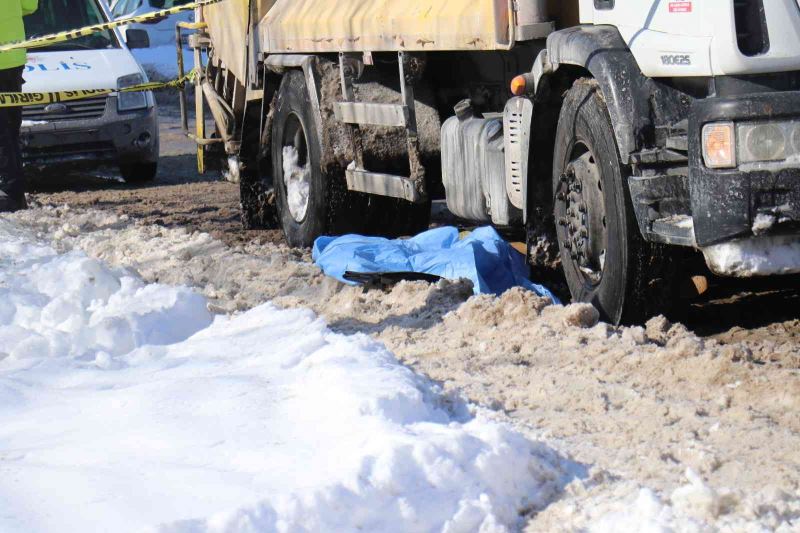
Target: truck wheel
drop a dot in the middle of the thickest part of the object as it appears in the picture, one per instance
(138, 172)
(256, 194)
(310, 201)
(605, 260)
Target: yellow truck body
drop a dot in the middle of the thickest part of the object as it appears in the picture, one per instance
(332, 26)
(384, 25)
(227, 25)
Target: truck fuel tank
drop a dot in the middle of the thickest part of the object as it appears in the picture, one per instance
(473, 168)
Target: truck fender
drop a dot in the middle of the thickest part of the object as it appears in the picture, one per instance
(279, 63)
(603, 53)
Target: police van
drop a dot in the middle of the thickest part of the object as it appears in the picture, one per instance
(120, 129)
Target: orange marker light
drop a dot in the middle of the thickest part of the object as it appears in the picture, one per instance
(719, 150)
(518, 85)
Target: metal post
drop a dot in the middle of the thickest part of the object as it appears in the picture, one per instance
(199, 106)
(181, 74)
(414, 161)
(349, 96)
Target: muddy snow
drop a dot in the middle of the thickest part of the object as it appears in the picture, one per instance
(670, 430)
(128, 405)
(775, 254)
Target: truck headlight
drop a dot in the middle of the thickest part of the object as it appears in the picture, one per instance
(763, 142)
(718, 145)
(768, 141)
(134, 100)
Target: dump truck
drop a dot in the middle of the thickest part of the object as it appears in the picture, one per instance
(626, 138)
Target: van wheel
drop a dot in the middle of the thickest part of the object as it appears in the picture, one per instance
(606, 261)
(310, 202)
(138, 172)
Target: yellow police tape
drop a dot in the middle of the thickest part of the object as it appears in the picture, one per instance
(29, 99)
(45, 40)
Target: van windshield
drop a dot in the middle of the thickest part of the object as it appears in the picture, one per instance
(127, 7)
(55, 16)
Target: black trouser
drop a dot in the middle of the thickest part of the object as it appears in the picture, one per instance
(12, 184)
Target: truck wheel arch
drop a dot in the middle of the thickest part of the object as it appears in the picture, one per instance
(280, 63)
(601, 52)
(597, 52)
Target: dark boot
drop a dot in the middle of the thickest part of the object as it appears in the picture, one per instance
(9, 205)
(12, 187)
(12, 181)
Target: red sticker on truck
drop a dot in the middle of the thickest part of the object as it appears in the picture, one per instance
(680, 7)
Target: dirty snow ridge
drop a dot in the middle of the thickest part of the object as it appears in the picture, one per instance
(126, 405)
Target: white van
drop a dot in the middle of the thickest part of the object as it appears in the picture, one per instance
(160, 31)
(120, 129)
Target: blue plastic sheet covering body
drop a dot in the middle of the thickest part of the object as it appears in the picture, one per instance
(483, 257)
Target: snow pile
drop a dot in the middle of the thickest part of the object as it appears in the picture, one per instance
(691, 507)
(126, 406)
(69, 305)
(596, 506)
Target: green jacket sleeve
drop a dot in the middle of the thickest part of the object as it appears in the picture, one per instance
(29, 6)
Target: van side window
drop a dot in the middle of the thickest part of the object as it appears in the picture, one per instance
(124, 7)
(604, 4)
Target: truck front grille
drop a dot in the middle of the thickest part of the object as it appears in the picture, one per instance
(66, 153)
(88, 108)
(751, 27)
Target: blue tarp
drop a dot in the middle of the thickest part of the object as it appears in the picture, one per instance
(483, 257)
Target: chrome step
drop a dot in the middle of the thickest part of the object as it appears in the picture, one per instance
(354, 114)
(381, 184)
(393, 115)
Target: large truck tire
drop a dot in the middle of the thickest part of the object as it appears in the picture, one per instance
(256, 191)
(257, 203)
(311, 200)
(606, 261)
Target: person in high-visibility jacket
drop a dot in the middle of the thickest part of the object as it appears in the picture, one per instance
(12, 63)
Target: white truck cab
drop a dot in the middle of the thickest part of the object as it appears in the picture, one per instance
(704, 38)
(120, 129)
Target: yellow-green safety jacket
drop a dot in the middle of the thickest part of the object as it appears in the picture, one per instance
(12, 29)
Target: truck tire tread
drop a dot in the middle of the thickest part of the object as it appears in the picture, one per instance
(637, 279)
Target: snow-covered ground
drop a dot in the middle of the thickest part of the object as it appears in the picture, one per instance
(126, 405)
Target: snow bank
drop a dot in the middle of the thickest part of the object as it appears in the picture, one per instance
(621, 505)
(126, 406)
(694, 507)
(69, 305)
(690, 508)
